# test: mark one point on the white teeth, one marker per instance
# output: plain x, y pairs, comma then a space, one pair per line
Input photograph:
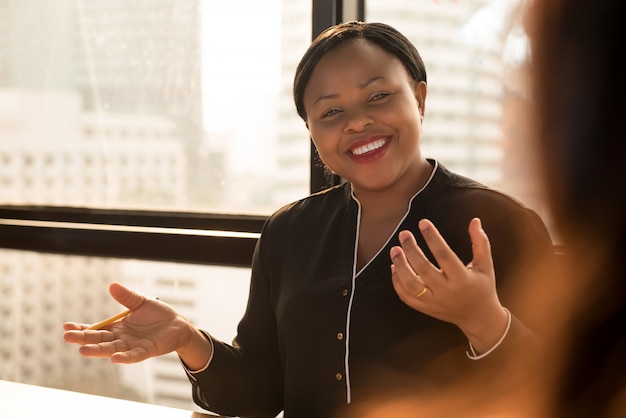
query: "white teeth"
369, 147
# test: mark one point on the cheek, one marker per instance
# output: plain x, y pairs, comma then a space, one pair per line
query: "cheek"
327, 147
322, 138
407, 121
326, 151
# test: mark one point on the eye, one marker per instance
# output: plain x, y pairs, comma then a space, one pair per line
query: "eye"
330, 113
378, 96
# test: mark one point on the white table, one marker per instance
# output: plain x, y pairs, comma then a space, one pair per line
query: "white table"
18, 400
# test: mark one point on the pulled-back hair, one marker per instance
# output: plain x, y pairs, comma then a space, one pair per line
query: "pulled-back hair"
380, 34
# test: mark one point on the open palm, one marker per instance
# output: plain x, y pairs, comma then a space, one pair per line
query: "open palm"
153, 328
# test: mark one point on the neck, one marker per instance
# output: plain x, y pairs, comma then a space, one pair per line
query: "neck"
396, 197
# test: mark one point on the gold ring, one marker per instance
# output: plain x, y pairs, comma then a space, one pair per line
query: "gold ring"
422, 293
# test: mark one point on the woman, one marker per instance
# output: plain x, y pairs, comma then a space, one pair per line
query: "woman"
355, 294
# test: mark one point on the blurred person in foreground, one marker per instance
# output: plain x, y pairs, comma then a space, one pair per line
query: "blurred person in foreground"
580, 90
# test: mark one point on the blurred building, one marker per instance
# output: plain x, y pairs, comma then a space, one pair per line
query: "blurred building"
99, 161
293, 151
53, 152
100, 106
137, 59
38, 293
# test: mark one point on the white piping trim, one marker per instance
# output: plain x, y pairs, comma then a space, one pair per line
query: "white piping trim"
432, 174
474, 356
349, 313
408, 209
355, 273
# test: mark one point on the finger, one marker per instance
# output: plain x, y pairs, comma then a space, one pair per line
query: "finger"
401, 268
407, 291
75, 337
481, 247
416, 258
132, 300
74, 326
398, 284
105, 349
448, 261
87, 337
134, 355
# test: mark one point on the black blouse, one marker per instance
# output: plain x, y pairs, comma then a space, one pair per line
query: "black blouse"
317, 335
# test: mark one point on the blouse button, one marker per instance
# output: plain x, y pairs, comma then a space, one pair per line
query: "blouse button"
339, 336
338, 376
345, 292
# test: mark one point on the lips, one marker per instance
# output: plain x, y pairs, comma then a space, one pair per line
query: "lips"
372, 146
369, 149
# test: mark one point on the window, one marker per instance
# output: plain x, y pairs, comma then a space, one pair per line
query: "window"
153, 104
41, 291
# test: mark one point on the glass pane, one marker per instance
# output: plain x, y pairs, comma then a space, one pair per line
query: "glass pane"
152, 104
475, 52
38, 293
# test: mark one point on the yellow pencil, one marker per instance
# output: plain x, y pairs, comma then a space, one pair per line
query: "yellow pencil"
110, 320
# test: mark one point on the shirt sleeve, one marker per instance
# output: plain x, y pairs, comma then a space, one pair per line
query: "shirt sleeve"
190, 372
245, 378
518, 341
472, 353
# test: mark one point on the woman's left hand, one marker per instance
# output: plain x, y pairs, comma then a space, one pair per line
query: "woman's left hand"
464, 295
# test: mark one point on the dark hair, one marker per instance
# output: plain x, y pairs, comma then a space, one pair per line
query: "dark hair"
380, 34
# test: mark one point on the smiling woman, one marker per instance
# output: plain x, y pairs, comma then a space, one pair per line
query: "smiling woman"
366, 121
352, 262
114, 147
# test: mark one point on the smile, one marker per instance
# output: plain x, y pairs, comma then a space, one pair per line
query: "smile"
372, 146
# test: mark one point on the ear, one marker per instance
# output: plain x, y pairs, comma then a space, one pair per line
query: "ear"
420, 91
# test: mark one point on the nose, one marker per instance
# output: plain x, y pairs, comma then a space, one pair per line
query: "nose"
357, 121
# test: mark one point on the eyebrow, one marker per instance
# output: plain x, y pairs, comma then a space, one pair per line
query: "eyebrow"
369, 81
361, 86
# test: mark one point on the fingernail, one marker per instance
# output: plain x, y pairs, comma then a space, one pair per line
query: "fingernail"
395, 251
403, 236
424, 225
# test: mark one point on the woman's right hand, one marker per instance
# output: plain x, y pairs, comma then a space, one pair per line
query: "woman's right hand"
153, 328
464, 295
